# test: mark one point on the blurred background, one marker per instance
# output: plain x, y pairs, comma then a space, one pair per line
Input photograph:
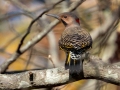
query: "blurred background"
99, 17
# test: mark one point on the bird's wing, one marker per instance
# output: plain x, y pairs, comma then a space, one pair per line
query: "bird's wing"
83, 40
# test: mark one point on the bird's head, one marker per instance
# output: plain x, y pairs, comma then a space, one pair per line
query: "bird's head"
67, 18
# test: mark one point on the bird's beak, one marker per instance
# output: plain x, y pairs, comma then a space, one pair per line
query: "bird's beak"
53, 15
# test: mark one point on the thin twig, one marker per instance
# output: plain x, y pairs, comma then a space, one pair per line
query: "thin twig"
50, 58
29, 58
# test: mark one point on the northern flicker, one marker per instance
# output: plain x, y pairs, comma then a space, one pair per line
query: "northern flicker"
74, 40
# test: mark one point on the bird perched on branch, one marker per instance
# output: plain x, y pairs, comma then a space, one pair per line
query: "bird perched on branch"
74, 40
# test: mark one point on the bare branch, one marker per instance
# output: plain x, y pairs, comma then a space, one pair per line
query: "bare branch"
29, 58
92, 69
50, 58
96, 69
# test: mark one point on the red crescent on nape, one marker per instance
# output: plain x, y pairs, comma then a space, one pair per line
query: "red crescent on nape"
77, 20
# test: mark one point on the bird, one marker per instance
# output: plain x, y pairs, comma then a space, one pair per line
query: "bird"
74, 41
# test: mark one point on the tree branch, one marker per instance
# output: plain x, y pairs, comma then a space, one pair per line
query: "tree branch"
96, 69
93, 68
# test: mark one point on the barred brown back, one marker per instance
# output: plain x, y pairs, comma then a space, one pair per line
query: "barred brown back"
75, 38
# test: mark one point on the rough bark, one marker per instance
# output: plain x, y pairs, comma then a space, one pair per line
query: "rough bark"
93, 68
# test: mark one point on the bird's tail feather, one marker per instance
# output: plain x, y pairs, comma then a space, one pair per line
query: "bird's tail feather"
74, 66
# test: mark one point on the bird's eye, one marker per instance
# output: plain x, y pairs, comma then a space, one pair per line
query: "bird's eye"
65, 16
